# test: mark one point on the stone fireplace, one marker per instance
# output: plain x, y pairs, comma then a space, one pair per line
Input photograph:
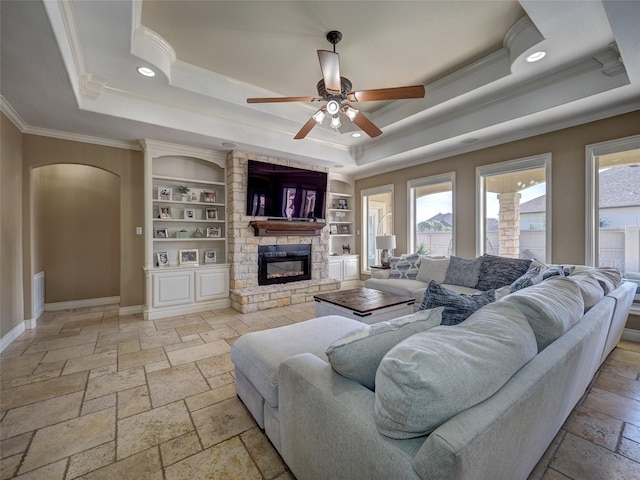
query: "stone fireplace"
245, 240
283, 264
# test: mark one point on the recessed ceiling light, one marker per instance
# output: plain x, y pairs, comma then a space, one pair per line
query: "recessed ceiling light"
337, 165
146, 71
356, 134
535, 56
229, 145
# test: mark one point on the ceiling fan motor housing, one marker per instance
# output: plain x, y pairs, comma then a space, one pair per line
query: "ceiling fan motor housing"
345, 86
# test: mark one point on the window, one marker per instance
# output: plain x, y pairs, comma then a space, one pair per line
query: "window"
514, 208
377, 219
431, 215
613, 206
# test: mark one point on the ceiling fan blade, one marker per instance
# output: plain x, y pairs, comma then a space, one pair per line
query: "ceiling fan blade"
330, 66
395, 93
366, 125
306, 128
283, 99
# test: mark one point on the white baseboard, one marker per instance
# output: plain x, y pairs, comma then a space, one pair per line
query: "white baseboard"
89, 302
631, 335
164, 312
18, 330
132, 310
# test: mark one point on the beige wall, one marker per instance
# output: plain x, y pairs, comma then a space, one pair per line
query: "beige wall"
11, 292
568, 185
78, 213
128, 165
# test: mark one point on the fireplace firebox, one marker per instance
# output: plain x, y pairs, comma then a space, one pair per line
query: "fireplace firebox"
283, 263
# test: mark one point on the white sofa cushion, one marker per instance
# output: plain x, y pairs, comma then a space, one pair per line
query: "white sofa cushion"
403, 287
358, 354
609, 278
590, 289
551, 307
433, 269
432, 376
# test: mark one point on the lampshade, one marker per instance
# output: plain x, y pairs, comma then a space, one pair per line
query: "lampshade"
386, 242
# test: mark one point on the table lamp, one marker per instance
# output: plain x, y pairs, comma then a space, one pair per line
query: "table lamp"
386, 243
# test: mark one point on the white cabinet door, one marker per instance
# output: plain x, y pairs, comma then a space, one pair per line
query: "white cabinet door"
172, 288
211, 284
350, 269
335, 268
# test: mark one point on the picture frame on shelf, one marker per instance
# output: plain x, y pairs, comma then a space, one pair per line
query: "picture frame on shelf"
165, 193
209, 196
342, 204
345, 229
188, 256
161, 233
189, 214
162, 259
211, 214
333, 229
164, 211
210, 256
214, 232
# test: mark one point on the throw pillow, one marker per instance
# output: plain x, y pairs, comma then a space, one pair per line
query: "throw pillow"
551, 308
554, 271
432, 269
405, 267
358, 354
463, 271
457, 306
434, 375
496, 272
533, 276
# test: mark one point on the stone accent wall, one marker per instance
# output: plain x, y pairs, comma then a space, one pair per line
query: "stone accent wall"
246, 295
509, 226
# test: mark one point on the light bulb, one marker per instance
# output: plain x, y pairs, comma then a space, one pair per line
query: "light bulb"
351, 112
333, 107
319, 116
335, 122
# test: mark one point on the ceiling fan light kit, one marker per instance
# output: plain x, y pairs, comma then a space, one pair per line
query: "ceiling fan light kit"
336, 91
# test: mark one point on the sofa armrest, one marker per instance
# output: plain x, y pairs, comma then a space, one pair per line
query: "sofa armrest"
328, 429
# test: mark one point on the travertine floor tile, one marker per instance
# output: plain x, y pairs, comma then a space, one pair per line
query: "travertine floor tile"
54, 471
630, 449
211, 397
97, 404
14, 445
206, 350
42, 345
68, 438
149, 429
222, 421
40, 414
595, 427
179, 448
12, 367
216, 365
137, 359
552, 474
614, 405
578, 458
133, 401
159, 339
228, 460
114, 382
90, 362
632, 432
171, 384
145, 465
91, 459
36, 392
200, 327
263, 454
619, 384
9, 466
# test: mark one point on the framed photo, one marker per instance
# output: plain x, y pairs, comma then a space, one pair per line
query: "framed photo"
162, 259
188, 257
161, 233
211, 214
342, 204
165, 212
209, 196
308, 205
333, 229
345, 229
189, 214
214, 232
210, 256
164, 193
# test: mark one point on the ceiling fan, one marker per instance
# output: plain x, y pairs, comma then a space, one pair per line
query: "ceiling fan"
336, 91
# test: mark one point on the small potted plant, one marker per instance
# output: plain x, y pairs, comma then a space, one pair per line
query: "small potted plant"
184, 190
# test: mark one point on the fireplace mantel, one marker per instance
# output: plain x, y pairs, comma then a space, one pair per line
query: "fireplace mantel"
274, 228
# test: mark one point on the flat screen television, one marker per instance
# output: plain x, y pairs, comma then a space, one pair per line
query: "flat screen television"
277, 191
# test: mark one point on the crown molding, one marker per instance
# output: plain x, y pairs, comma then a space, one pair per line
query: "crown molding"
11, 114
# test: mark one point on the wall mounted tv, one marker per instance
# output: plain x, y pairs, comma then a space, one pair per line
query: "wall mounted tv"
277, 191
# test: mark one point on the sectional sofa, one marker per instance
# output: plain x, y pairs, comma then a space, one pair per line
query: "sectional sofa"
413, 398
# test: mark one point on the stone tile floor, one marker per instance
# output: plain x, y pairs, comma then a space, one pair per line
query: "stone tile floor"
89, 394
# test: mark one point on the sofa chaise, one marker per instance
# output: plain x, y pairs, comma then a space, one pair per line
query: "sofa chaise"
414, 398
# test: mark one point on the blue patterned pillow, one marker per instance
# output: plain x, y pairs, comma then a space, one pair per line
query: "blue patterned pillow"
555, 271
457, 306
533, 276
496, 272
464, 272
405, 267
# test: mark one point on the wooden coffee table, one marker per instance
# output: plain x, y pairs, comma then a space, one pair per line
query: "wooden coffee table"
363, 304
